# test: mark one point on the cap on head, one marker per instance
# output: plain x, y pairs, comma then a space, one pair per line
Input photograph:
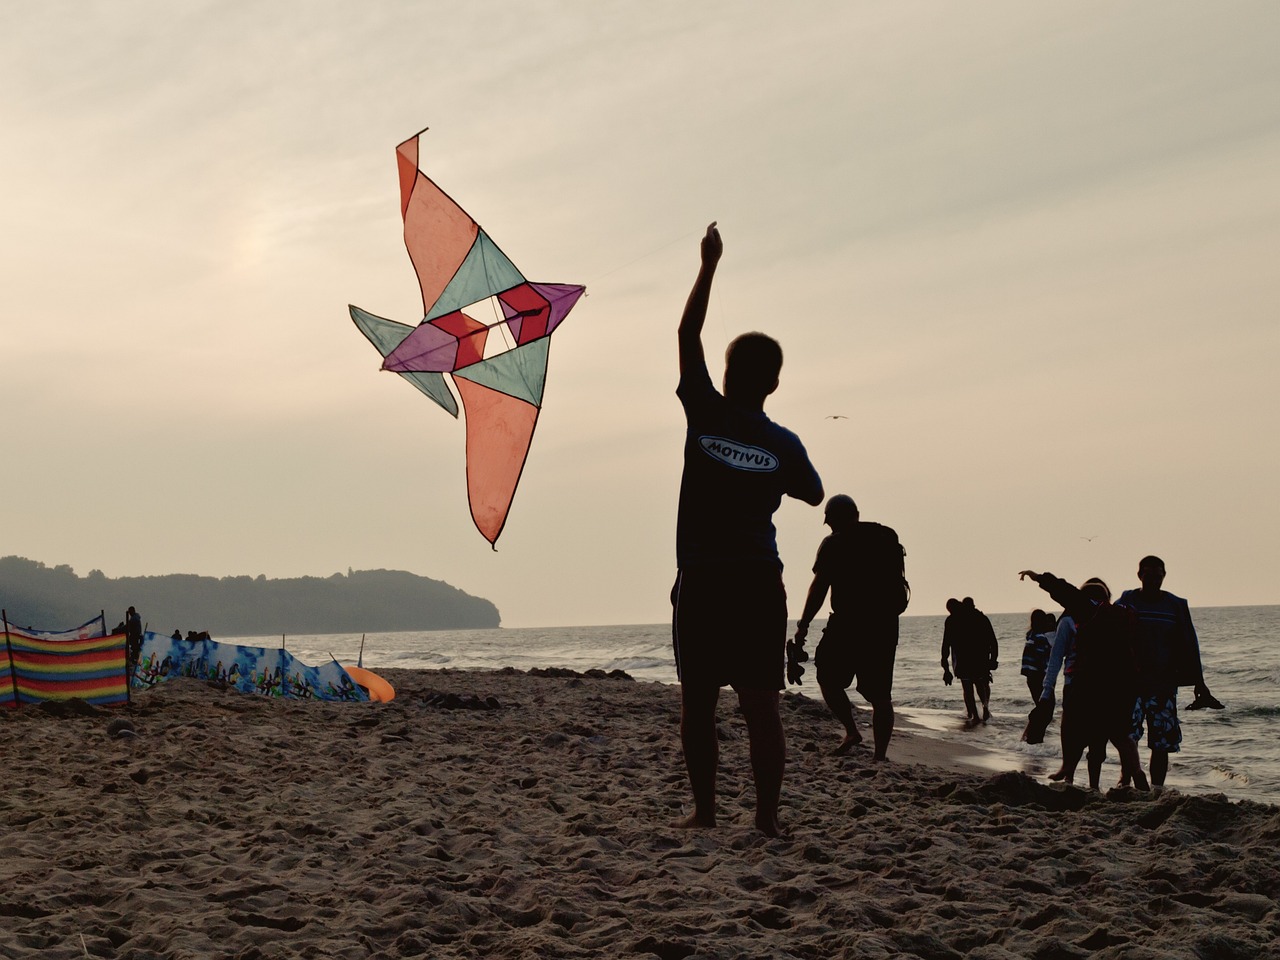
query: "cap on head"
841, 512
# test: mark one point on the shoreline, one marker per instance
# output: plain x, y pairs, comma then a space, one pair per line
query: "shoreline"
534, 817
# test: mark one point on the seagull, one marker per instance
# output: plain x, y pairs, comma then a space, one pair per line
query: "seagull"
835, 416
1090, 539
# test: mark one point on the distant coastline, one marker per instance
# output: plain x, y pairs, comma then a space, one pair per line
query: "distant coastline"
34, 594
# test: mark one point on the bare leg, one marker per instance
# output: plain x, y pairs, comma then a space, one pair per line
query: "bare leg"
768, 754
882, 726
984, 694
1159, 766
1063, 738
969, 705
843, 710
1072, 745
1097, 754
1130, 763
701, 750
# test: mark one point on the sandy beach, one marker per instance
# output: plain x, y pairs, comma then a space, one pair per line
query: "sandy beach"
510, 815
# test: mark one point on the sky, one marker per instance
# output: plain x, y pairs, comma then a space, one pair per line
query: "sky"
1026, 252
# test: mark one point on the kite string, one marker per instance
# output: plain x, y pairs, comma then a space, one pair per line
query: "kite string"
501, 323
644, 256
724, 327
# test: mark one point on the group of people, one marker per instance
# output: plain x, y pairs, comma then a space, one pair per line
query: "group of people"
132, 628
1122, 664
729, 618
191, 637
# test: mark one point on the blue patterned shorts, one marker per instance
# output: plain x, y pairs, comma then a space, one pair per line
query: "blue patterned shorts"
1160, 711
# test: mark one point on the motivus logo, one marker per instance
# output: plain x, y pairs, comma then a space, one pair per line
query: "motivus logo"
740, 456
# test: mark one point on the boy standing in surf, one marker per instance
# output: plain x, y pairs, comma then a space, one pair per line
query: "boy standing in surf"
1169, 653
729, 620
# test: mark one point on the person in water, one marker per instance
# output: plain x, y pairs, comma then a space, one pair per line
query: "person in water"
969, 646
1036, 650
1168, 652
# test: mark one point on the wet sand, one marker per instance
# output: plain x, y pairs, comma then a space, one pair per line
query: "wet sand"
539, 824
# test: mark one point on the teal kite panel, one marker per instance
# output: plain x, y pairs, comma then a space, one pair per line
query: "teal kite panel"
520, 373
484, 272
386, 335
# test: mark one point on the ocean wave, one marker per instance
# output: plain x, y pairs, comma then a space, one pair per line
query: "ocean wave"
639, 663
1259, 711
1236, 777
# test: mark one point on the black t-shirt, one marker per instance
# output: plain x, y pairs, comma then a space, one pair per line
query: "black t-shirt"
738, 464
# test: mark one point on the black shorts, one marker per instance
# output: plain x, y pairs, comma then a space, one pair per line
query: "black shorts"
729, 626
863, 647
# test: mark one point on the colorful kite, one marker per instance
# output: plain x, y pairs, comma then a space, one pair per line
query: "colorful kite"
485, 330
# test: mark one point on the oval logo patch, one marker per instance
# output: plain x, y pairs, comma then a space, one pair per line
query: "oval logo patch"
740, 456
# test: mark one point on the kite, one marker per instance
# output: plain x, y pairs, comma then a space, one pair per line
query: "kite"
485, 332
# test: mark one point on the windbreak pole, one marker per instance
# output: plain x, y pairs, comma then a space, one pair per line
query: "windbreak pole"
13, 674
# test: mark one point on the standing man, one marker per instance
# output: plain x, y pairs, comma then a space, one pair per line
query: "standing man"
730, 607
132, 640
862, 565
1168, 653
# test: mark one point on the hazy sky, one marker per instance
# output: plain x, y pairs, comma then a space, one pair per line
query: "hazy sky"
1028, 250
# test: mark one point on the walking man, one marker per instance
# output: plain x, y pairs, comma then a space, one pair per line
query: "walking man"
862, 565
969, 645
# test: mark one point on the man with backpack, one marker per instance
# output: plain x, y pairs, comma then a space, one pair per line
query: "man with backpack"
862, 564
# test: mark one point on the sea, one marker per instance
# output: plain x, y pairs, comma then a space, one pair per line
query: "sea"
1234, 751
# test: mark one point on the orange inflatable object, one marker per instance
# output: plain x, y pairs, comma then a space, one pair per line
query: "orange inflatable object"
377, 688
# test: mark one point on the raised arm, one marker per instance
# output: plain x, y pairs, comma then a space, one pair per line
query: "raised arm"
695, 308
1067, 595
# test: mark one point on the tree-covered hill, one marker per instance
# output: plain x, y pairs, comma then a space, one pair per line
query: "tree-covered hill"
52, 598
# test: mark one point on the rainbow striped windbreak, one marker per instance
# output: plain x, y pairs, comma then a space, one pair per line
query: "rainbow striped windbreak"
34, 668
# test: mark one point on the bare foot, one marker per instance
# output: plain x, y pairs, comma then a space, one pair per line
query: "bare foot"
848, 743
1059, 774
696, 821
769, 826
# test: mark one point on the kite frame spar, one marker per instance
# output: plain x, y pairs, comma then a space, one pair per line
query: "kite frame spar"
501, 380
